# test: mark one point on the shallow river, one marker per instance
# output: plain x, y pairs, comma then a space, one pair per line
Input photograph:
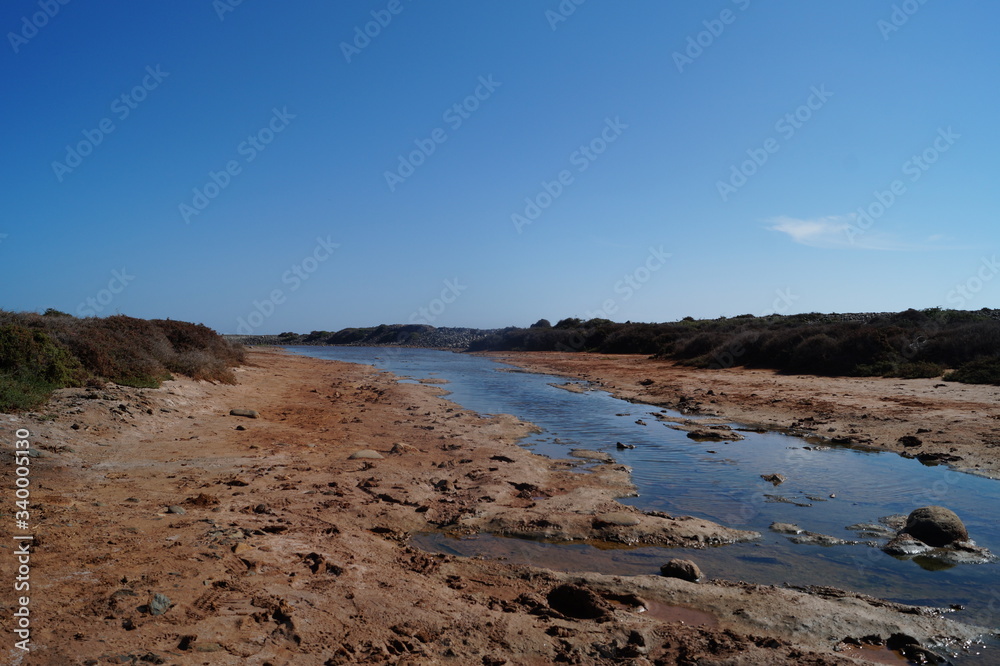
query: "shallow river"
827, 488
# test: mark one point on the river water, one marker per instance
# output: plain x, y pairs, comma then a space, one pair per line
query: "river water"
827, 489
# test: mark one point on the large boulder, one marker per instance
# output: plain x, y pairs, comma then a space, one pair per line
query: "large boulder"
683, 569
936, 526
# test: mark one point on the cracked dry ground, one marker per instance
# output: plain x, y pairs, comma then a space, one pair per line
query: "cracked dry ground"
275, 546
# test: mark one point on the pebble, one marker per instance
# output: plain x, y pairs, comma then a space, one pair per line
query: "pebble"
367, 454
159, 605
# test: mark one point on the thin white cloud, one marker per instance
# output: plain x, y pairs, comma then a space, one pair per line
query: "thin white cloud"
827, 232
843, 232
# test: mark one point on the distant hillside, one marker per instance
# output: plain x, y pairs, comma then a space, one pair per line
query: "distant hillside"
398, 335
924, 343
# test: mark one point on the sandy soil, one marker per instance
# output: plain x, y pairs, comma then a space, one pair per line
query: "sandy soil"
951, 423
274, 542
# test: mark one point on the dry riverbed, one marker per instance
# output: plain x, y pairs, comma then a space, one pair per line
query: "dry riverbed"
170, 531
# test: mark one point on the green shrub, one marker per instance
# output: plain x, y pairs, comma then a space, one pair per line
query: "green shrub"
980, 371
41, 353
32, 365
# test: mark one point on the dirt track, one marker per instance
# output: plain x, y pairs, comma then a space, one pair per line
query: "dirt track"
275, 546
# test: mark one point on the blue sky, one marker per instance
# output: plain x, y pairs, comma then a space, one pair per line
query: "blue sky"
270, 167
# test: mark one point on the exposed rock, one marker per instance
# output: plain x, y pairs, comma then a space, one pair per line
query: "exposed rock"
932, 459
904, 545
579, 602
249, 413
619, 518
774, 479
910, 441
702, 435
587, 454
816, 539
872, 530
786, 528
622, 447
173, 508
936, 526
399, 448
366, 454
159, 604
896, 521
683, 569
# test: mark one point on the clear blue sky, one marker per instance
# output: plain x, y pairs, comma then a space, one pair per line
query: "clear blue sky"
740, 138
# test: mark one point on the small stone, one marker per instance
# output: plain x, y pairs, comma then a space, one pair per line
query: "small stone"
249, 413
159, 604
774, 479
622, 447
683, 569
173, 508
399, 448
242, 549
207, 647
366, 454
241, 427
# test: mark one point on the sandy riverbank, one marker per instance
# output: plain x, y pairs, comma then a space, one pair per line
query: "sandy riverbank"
940, 422
273, 545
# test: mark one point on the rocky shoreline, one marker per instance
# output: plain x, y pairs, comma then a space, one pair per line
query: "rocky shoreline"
172, 530
932, 421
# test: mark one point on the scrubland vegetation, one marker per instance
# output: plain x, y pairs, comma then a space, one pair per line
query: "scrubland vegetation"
42, 353
909, 344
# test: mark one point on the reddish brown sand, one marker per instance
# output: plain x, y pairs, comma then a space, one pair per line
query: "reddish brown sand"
282, 549
948, 418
